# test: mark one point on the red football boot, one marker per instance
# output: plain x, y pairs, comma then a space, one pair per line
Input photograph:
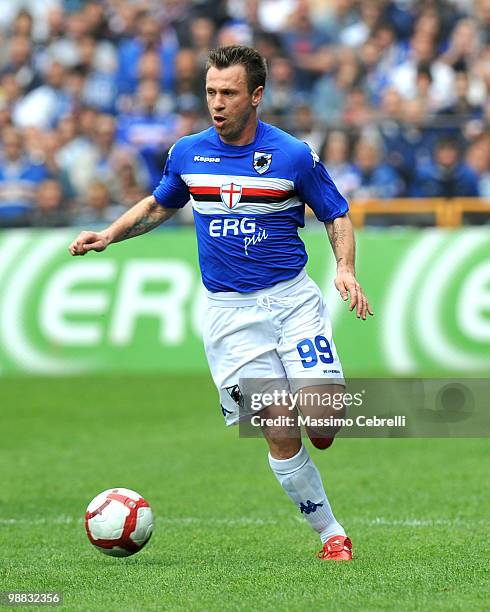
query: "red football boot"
336, 548
319, 440
320, 443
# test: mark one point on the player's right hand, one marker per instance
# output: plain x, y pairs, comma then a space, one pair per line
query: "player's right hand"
89, 241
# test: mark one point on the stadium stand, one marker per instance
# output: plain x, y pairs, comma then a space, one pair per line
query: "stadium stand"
393, 94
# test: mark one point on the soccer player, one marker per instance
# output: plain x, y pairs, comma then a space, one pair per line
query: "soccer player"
266, 319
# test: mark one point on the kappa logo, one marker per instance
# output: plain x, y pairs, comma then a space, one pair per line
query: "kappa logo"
262, 162
202, 158
230, 194
315, 157
309, 507
224, 411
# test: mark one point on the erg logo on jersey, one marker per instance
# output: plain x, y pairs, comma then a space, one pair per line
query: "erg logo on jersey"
202, 158
223, 227
252, 234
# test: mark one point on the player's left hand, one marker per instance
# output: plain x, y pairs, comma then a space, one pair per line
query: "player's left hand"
347, 285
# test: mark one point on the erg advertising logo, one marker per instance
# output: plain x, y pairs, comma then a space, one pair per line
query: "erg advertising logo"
139, 306
437, 307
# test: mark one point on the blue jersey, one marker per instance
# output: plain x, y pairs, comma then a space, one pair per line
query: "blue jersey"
248, 203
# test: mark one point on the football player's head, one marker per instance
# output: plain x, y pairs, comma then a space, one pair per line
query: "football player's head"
235, 81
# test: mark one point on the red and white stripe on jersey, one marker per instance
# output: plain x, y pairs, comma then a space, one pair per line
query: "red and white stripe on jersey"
222, 193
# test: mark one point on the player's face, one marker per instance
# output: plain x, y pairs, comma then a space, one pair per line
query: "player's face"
231, 106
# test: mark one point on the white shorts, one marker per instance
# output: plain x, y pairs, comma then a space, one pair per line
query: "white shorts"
282, 332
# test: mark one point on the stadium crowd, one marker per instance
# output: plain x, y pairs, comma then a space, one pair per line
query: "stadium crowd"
392, 94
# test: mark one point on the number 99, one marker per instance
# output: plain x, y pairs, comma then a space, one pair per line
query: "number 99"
310, 352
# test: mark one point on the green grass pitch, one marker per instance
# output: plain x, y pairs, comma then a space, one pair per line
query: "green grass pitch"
226, 537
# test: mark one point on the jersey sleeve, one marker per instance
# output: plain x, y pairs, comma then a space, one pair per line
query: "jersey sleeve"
315, 187
172, 192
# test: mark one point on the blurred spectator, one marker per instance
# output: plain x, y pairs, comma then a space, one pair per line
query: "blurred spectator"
483, 13
99, 209
273, 15
20, 64
464, 43
148, 130
95, 16
44, 106
47, 151
384, 35
336, 17
23, 24
101, 159
19, 179
203, 32
370, 15
188, 89
398, 13
376, 80
74, 145
49, 209
10, 92
5, 118
304, 126
38, 9
280, 94
423, 85
98, 65
331, 91
335, 155
269, 46
447, 176
55, 19
130, 187
149, 36
357, 111
375, 179
63, 46
407, 139
463, 107
422, 53
478, 159
307, 47
429, 25
234, 33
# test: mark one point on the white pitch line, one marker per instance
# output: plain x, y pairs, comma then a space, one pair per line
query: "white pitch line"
244, 521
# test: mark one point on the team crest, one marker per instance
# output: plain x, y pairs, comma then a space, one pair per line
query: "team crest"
262, 162
230, 194
236, 395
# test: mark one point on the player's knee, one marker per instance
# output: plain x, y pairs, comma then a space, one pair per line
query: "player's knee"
323, 423
284, 447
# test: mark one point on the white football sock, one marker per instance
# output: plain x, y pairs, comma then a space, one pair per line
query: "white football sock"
301, 480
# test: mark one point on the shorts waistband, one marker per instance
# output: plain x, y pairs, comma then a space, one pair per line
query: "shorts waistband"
229, 299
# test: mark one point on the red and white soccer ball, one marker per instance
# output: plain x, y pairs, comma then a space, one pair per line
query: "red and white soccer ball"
119, 522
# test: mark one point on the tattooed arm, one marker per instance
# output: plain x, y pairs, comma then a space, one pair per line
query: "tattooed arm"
141, 218
341, 236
